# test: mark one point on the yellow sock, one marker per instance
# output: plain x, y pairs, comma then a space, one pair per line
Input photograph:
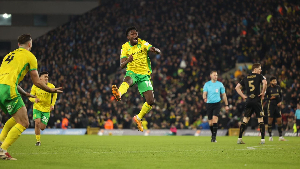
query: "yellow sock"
38, 138
145, 109
8, 125
123, 88
12, 136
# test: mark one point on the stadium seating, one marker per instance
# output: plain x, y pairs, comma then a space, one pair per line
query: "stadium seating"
194, 37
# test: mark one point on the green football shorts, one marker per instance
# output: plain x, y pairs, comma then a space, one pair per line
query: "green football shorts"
44, 116
7, 104
143, 81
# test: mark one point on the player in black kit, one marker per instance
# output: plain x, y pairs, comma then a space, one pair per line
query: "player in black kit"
254, 98
274, 99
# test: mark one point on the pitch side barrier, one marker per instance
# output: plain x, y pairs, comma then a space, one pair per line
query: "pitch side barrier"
56, 131
154, 132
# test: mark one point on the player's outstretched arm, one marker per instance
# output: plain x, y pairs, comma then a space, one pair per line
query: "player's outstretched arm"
154, 49
38, 83
22, 92
239, 91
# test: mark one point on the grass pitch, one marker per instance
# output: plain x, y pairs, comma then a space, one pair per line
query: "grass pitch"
80, 152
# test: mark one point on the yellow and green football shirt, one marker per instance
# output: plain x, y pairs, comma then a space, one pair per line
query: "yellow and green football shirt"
141, 62
14, 67
46, 99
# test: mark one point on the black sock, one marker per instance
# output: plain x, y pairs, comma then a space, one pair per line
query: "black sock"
262, 129
280, 130
215, 128
211, 129
297, 132
242, 129
270, 129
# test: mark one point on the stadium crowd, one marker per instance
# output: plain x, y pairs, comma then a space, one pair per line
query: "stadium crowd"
195, 37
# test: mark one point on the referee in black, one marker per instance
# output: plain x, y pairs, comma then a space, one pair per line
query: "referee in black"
211, 95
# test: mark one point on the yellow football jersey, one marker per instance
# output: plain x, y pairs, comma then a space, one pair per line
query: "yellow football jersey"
141, 62
14, 67
45, 98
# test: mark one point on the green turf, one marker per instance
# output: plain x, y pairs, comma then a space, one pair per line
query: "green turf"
62, 152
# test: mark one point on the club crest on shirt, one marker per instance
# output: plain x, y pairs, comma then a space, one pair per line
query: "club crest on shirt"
217, 90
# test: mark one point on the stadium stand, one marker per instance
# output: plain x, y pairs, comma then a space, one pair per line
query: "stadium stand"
194, 37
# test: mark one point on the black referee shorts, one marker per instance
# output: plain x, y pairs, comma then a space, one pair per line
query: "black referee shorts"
297, 122
253, 106
213, 109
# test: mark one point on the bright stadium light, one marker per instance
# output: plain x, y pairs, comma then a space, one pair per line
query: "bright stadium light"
5, 15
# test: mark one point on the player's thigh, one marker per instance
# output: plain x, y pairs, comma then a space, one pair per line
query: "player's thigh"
130, 78
9, 105
45, 118
145, 85
209, 110
216, 109
248, 109
21, 117
277, 113
297, 122
257, 107
37, 114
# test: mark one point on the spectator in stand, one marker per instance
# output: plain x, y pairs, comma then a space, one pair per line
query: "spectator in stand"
81, 55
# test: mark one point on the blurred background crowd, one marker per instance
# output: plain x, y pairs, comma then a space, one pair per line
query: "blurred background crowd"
195, 37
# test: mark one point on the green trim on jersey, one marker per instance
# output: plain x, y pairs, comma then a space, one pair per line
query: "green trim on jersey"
17, 82
129, 44
149, 62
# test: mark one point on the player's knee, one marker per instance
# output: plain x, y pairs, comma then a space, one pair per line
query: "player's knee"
42, 127
37, 124
128, 80
25, 124
215, 119
246, 119
151, 102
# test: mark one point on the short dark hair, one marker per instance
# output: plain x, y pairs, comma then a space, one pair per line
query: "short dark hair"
44, 73
24, 38
272, 78
213, 71
130, 29
256, 65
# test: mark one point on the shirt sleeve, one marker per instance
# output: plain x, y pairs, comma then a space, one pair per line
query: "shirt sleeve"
242, 82
222, 88
205, 89
54, 97
262, 78
32, 62
123, 52
32, 92
146, 45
